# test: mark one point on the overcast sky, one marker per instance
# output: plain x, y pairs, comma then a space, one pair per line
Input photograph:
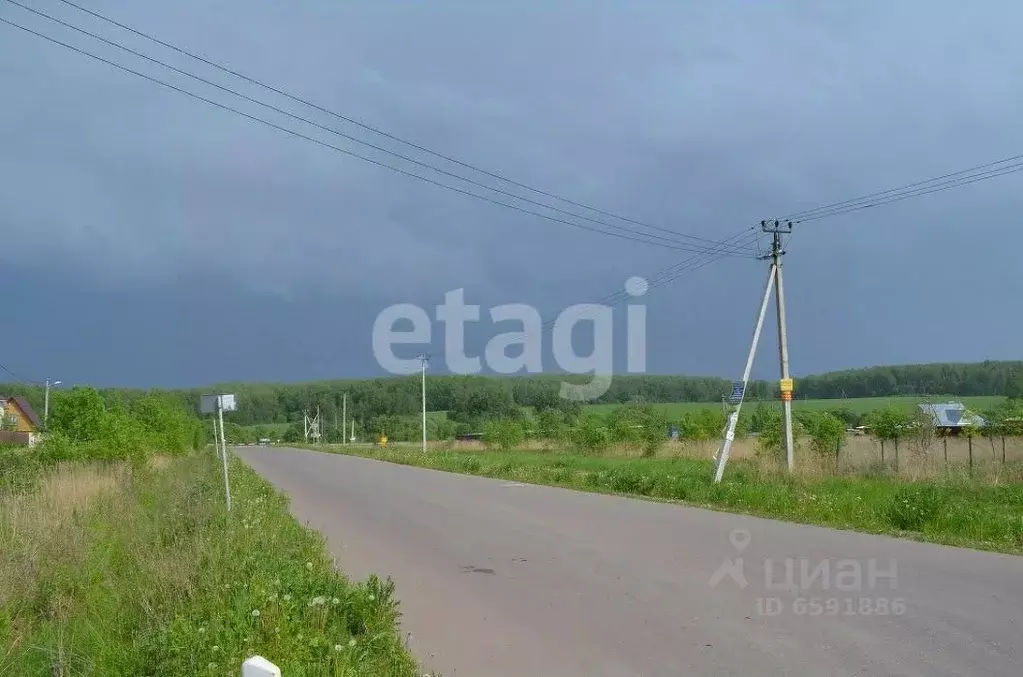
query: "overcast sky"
149, 239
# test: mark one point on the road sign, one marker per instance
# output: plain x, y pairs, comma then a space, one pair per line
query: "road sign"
208, 403
738, 390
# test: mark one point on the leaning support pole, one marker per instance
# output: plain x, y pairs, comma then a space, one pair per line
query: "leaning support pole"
733, 418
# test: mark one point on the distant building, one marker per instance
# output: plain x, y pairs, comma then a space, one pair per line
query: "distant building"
19, 423
950, 418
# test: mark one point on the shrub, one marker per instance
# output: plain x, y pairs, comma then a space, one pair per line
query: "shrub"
771, 441
505, 434
639, 423
590, 433
550, 425
827, 432
84, 426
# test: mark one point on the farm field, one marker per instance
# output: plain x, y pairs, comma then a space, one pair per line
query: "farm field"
860, 405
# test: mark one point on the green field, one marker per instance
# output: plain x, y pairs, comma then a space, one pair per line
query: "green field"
860, 405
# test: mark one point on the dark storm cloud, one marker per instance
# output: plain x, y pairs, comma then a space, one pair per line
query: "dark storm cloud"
132, 201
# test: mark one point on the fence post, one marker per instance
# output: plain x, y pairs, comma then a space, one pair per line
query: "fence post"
257, 666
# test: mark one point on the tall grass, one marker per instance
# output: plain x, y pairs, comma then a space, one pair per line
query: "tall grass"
119, 569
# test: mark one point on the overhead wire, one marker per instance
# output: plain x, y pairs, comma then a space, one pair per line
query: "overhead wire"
664, 276
634, 236
349, 137
915, 192
702, 256
371, 128
17, 377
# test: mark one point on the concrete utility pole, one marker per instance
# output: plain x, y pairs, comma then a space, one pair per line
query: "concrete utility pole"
424, 359
785, 384
344, 419
774, 282
46, 403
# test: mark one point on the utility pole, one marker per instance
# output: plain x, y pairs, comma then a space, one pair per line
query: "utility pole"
774, 282
424, 359
46, 404
344, 419
785, 384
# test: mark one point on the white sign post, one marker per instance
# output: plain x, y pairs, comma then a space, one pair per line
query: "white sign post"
209, 404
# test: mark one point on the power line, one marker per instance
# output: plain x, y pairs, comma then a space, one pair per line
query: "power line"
16, 377
370, 128
923, 190
952, 180
933, 185
669, 274
341, 134
344, 151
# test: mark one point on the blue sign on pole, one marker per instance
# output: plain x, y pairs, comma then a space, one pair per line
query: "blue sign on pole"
738, 389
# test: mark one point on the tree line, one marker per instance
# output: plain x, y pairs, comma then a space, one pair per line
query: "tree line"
376, 404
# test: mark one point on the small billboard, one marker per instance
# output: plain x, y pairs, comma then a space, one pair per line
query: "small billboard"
208, 403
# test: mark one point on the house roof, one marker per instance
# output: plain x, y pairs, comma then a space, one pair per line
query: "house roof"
951, 415
25, 407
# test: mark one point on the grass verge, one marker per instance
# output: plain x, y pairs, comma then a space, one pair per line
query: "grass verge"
111, 569
954, 510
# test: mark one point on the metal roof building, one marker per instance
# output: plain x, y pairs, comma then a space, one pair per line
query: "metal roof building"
952, 416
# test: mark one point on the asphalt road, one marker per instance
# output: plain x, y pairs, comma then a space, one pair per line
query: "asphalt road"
504, 580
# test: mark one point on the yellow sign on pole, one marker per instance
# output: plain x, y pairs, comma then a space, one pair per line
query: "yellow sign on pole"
785, 385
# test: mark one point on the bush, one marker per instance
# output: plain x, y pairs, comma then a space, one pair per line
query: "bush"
827, 432
590, 434
639, 423
703, 424
504, 434
84, 426
551, 425
913, 506
771, 441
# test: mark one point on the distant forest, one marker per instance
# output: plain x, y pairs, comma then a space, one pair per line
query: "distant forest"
400, 396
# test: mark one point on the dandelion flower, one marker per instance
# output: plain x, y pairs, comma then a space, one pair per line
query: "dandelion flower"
287, 598
351, 642
255, 613
372, 597
335, 601
338, 647
309, 565
202, 631
216, 648
211, 666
